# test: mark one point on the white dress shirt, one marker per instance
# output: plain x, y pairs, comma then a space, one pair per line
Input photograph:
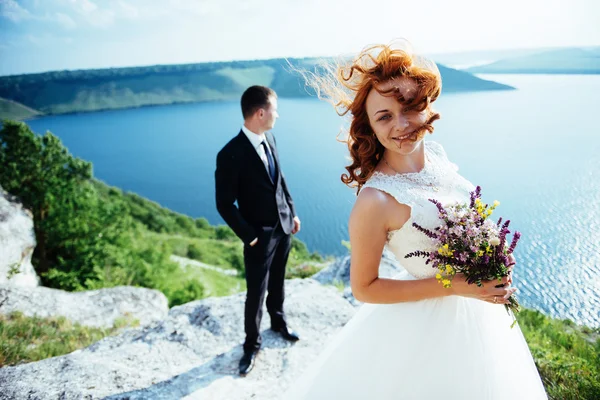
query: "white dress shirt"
256, 141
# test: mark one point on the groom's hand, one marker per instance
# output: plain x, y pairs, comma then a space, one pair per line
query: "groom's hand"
296, 226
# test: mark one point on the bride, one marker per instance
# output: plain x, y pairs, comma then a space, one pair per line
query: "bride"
416, 339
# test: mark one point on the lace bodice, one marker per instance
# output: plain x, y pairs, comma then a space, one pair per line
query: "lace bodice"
439, 179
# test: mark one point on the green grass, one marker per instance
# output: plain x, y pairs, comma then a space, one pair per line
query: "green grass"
303, 269
25, 339
216, 284
169, 233
12, 110
567, 356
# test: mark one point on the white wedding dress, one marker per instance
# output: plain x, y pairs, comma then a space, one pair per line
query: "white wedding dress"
443, 348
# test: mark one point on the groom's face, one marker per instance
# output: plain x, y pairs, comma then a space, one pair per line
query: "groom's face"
270, 114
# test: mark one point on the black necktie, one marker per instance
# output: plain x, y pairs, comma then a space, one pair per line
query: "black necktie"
270, 160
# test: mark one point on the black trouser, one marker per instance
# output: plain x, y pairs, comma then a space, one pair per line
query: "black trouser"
265, 270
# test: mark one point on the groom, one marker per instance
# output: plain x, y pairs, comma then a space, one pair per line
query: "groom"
248, 171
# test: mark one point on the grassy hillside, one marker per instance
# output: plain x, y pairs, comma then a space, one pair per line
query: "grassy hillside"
195, 239
103, 89
11, 109
566, 355
454, 80
560, 61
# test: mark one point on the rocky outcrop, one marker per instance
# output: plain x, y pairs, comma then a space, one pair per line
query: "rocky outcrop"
17, 241
99, 308
338, 273
193, 352
19, 289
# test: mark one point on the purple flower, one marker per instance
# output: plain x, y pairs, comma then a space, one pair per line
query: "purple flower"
513, 244
502, 235
429, 233
440, 208
475, 195
417, 253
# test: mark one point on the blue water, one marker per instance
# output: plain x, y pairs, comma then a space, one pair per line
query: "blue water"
536, 149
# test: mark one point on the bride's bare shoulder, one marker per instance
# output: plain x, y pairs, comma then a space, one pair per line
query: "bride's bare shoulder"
374, 205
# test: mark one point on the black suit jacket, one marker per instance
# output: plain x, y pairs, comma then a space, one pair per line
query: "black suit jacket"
241, 176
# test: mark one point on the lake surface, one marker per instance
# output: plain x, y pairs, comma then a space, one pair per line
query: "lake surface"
536, 149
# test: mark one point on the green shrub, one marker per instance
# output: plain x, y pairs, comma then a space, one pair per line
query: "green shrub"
191, 290
202, 223
223, 232
194, 252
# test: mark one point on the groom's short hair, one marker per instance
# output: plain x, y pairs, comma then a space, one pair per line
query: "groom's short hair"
254, 98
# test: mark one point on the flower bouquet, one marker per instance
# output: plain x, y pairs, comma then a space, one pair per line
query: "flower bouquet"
468, 242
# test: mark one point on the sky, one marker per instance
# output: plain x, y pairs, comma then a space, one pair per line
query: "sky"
46, 35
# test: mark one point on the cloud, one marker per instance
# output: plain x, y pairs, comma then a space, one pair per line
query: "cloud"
87, 12
197, 8
11, 10
128, 11
84, 7
46, 39
65, 21
101, 18
5, 44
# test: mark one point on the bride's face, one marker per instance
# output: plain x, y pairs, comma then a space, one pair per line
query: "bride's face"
391, 123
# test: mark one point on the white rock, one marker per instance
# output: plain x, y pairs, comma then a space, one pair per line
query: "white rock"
98, 308
338, 271
193, 353
17, 241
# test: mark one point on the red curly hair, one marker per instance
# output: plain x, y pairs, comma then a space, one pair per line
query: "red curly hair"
347, 88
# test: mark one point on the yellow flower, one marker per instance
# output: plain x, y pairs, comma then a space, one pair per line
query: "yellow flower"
449, 269
446, 283
438, 277
480, 253
445, 251
496, 203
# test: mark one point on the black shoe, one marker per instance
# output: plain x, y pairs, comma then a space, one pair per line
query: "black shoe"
287, 334
247, 361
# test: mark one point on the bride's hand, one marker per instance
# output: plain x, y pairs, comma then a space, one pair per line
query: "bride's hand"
487, 291
512, 261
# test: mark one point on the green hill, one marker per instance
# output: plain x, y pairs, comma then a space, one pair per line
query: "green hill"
12, 109
62, 92
559, 61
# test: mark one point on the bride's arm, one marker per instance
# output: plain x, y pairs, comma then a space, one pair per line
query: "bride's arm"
369, 223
